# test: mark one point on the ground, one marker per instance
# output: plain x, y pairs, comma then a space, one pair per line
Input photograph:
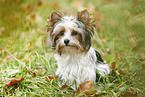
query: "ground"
25, 48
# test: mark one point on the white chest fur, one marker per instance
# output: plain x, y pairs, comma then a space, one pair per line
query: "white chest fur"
77, 67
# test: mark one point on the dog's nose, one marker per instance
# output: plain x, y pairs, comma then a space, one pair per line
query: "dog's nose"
66, 41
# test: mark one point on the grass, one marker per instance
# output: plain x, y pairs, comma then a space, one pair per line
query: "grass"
24, 52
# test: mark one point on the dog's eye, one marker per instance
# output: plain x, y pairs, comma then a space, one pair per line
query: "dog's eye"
74, 33
62, 33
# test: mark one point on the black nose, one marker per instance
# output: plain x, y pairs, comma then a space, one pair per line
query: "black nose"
66, 41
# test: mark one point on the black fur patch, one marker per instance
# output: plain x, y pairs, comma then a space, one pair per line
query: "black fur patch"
99, 58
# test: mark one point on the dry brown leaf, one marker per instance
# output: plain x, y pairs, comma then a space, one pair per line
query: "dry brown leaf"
121, 72
17, 79
84, 87
9, 84
13, 82
66, 86
52, 76
113, 65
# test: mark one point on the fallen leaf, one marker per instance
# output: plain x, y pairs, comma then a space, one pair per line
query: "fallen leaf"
17, 80
66, 86
113, 65
13, 81
84, 87
52, 76
9, 84
121, 72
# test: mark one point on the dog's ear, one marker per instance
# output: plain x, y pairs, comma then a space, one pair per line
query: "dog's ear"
83, 16
55, 16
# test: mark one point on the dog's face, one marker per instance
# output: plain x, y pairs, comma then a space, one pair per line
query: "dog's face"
70, 34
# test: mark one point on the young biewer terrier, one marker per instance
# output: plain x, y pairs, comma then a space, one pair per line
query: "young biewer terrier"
71, 37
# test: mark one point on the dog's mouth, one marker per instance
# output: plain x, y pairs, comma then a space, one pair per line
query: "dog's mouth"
69, 48
74, 47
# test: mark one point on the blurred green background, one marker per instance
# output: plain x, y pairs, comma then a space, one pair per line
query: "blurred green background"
119, 37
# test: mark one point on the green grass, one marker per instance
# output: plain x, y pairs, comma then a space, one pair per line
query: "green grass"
119, 38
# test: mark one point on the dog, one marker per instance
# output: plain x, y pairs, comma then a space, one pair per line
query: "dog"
77, 61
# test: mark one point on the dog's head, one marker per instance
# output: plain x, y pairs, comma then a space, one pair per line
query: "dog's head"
71, 33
